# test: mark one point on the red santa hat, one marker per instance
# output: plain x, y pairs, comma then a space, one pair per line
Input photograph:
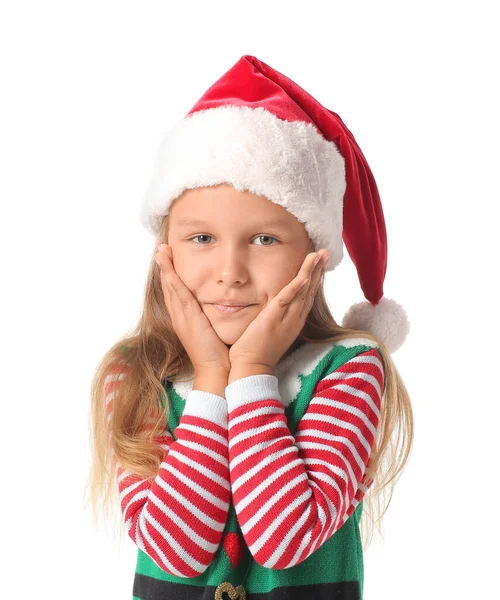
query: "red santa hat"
258, 130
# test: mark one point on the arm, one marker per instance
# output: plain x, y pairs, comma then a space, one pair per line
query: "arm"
178, 518
292, 494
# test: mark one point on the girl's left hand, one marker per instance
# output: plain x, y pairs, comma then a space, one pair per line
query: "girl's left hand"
276, 327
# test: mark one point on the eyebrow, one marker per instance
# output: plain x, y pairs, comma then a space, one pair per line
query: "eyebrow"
275, 222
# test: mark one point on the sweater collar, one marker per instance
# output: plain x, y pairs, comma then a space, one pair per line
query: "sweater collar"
290, 370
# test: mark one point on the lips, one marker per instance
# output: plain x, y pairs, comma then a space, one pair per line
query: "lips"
227, 302
229, 309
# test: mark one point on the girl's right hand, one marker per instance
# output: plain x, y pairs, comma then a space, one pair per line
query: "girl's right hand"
207, 351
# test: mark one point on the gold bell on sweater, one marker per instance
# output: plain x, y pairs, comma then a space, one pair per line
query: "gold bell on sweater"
234, 593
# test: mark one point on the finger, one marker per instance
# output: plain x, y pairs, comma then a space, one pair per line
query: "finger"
288, 294
162, 258
165, 289
179, 292
317, 273
313, 268
309, 292
309, 265
166, 292
297, 288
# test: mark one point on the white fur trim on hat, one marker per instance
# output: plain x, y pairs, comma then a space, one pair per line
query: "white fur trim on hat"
387, 321
288, 162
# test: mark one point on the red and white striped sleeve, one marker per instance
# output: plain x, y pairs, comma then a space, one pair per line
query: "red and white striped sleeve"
178, 517
292, 493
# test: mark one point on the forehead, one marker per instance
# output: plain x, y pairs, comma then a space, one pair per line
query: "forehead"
210, 205
188, 221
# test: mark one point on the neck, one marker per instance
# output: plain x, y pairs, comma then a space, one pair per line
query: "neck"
187, 371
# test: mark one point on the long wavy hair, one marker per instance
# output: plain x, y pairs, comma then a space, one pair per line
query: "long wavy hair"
152, 352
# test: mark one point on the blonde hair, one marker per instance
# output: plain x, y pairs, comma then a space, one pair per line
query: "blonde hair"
152, 352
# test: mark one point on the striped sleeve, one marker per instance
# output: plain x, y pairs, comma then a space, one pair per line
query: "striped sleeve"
178, 517
292, 493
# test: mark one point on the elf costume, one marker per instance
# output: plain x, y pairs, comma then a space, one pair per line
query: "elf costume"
260, 492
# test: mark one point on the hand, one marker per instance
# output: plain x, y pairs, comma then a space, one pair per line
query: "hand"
203, 346
277, 326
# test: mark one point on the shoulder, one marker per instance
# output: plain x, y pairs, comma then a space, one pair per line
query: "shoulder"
346, 349
354, 367
350, 351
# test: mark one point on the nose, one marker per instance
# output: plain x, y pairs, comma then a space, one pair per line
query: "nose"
231, 267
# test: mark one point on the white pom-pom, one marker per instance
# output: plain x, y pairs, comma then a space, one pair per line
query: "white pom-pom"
387, 321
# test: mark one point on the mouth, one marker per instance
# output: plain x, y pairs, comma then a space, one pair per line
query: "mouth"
230, 309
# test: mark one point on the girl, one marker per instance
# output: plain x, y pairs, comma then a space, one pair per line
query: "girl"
244, 441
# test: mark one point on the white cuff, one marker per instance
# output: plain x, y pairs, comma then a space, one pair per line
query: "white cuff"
206, 405
249, 389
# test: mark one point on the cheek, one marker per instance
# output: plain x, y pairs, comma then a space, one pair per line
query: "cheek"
274, 287
185, 269
189, 279
287, 271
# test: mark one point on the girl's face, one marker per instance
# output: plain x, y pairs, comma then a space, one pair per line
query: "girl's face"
233, 253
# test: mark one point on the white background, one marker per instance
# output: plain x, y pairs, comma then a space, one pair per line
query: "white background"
89, 89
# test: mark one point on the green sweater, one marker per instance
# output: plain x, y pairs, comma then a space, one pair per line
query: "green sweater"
260, 494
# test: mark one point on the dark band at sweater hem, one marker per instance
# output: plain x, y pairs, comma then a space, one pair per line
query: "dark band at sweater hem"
147, 588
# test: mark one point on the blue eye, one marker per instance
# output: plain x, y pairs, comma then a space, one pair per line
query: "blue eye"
259, 236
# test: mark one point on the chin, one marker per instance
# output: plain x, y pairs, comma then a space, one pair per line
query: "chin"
229, 333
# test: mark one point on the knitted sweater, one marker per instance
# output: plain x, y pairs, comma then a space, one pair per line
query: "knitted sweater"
259, 494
